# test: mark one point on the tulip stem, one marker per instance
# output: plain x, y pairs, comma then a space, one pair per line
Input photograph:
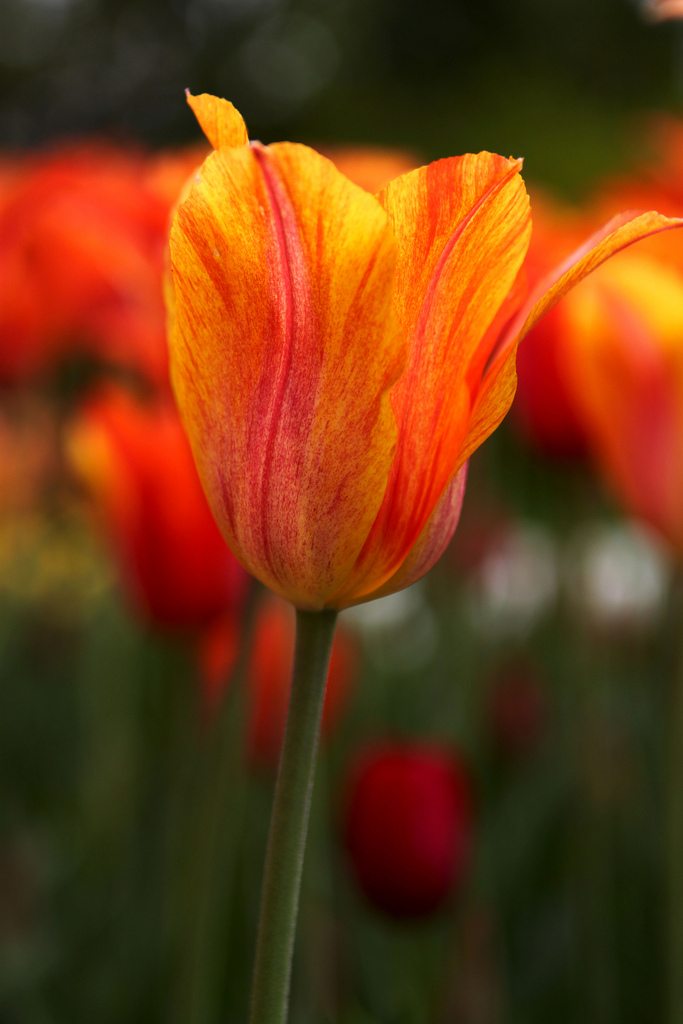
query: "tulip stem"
289, 820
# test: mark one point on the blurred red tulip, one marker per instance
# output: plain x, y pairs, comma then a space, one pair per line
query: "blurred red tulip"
270, 680
517, 710
137, 464
409, 826
82, 237
217, 650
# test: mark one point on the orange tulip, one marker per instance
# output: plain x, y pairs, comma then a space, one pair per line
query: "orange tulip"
622, 339
617, 344
270, 678
138, 467
338, 356
82, 236
544, 409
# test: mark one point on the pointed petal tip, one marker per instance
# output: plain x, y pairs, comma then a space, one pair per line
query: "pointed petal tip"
220, 121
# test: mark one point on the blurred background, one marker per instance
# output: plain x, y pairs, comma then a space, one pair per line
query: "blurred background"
557, 83
491, 834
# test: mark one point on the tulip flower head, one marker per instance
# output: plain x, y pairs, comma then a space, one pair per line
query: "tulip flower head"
338, 356
408, 826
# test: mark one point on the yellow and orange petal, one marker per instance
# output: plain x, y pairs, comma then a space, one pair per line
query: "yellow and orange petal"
284, 348
222, 124
462, 228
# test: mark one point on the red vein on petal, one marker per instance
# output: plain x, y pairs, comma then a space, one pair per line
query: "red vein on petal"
289, 273
375, 540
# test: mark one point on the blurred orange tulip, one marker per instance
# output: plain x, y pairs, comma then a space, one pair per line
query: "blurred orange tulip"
663, 10
617, 344
82, 236
337, 356
138, 468
623, 344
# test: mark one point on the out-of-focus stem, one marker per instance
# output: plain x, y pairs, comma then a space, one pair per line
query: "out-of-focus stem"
289, 821
223, 794
675, 821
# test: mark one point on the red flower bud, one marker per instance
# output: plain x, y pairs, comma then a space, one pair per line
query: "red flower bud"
408, 827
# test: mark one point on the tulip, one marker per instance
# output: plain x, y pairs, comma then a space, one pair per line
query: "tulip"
338, 356
137, 466
618, 339
409, 826
82, 236
269, 681
623, 344
614, 344
544, 410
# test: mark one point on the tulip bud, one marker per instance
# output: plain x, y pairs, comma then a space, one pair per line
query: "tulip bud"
408, 826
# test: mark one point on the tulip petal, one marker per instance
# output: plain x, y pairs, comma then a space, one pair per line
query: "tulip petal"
620, 232
283, 351
432, 542
222, 124
500, 381
462, 228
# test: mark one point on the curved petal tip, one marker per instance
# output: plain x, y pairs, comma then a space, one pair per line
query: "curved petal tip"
222, 124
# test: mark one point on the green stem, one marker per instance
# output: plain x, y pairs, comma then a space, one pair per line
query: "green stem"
675, 822
289, 821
